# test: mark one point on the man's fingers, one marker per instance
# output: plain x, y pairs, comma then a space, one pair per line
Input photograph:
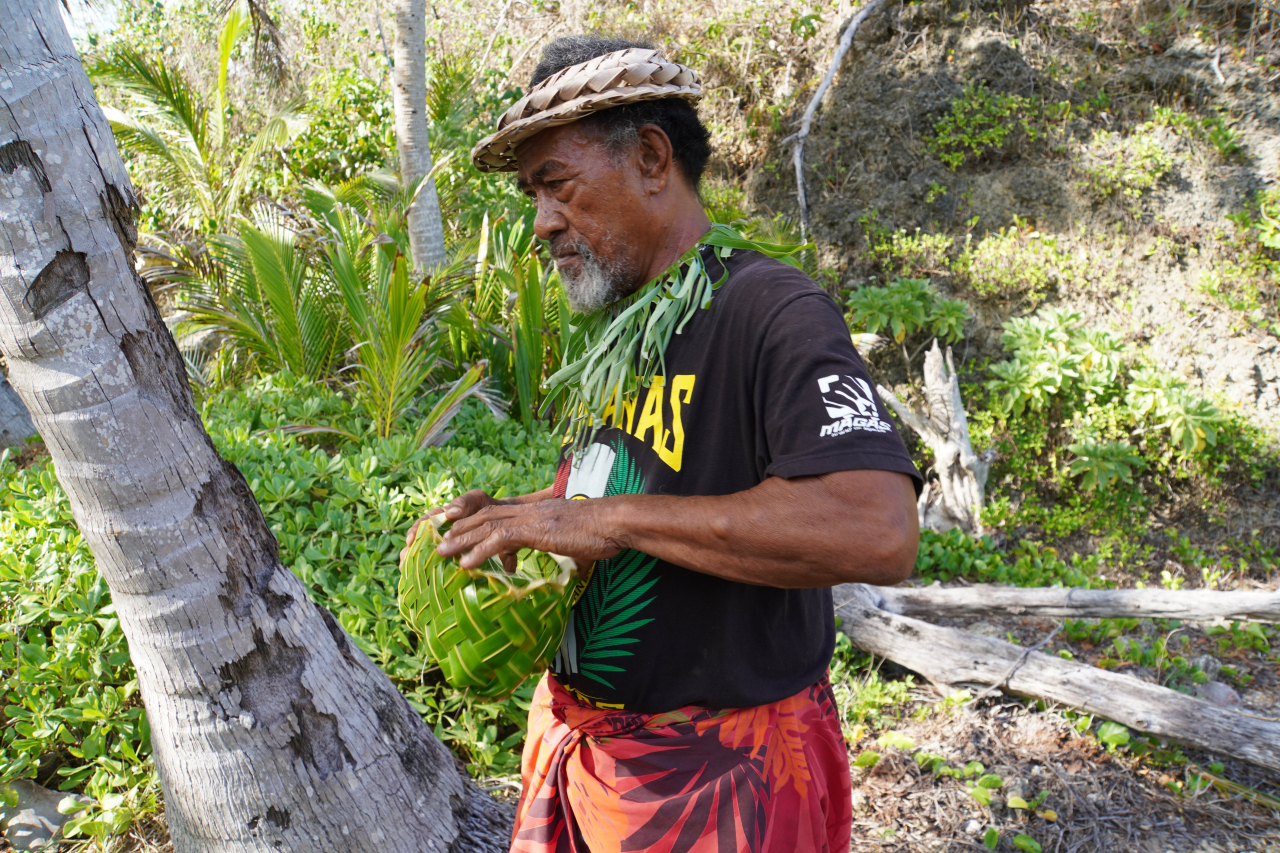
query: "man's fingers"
467, 505
490, 514
493, 545
465, 536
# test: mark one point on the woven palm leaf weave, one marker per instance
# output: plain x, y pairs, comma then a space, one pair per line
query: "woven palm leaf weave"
621, 77
488, 630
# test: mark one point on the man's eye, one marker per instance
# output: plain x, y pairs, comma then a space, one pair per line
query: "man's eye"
555, 185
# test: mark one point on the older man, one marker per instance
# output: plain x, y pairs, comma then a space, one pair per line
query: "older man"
751, 468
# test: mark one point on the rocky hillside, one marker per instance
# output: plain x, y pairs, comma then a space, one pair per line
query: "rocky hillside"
1099, 150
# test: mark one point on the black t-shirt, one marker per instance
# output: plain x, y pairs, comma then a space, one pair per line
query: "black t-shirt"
763, 383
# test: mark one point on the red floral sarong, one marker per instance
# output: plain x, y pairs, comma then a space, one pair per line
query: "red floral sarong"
768, 779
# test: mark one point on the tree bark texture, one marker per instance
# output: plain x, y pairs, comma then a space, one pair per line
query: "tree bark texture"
955, 497
409, 96
939, 602
15, 424
949, 656
270, 729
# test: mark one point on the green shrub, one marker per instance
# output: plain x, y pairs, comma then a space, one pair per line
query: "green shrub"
1015, 262
1213, 129
71, 712
1091, 435
1102, 462
1247, 279
956, 554
352, 130
1116, 165
1053, 355
724, 202
340, 519
982, 123
915, 255
906, 306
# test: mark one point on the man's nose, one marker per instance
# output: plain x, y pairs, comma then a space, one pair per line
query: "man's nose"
550, 221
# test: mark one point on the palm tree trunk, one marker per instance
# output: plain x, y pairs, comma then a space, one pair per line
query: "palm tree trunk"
409, 93
15, 423
270, 729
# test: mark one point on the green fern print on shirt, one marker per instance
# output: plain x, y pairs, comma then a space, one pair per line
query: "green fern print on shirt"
609, 610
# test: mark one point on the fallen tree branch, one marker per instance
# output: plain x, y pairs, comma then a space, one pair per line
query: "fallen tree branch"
1004, 679
806, 120
948, 655
983, 600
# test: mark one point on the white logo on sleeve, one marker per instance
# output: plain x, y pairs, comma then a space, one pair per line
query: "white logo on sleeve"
851, 401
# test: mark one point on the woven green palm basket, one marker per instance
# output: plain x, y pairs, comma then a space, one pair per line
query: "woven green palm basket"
487, 630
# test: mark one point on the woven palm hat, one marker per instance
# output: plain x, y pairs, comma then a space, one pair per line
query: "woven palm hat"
621, 77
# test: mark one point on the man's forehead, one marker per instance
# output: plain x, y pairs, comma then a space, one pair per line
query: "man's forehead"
555, 148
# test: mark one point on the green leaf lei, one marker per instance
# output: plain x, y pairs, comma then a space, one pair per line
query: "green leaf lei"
610, 354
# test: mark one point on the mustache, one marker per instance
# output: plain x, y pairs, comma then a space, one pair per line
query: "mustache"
562, 246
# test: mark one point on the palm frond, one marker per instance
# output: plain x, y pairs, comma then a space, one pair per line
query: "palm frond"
450, 90
180, 171
431, 431
161, 90
234, 27
268, 301
280, 127
271, 252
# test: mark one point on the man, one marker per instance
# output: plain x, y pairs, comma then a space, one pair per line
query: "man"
688, 707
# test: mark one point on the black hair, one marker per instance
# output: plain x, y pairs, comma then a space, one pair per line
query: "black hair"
678, 119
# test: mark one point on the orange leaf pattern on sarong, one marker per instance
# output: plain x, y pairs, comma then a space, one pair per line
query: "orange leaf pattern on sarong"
694, 780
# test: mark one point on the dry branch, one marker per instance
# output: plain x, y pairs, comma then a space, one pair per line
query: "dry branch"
806, 121
955, 497
983, 600
950, 656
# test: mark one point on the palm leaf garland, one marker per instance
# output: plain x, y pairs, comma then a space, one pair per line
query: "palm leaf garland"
602, 350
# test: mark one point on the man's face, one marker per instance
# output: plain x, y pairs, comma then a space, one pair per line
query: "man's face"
591, 210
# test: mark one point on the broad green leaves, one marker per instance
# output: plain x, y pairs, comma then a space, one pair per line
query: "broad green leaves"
67, 684
1113, 734
906, 306
1056, 361
340, 519
1100, 463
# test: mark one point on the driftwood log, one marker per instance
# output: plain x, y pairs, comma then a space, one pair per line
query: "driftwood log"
947, 656
954, 496
984, 600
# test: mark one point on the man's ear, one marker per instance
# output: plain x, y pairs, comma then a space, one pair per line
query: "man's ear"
655, 158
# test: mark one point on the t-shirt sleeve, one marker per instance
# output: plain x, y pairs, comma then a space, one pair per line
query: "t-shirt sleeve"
820, 408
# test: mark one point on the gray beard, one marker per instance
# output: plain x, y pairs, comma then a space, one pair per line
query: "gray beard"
598, 284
